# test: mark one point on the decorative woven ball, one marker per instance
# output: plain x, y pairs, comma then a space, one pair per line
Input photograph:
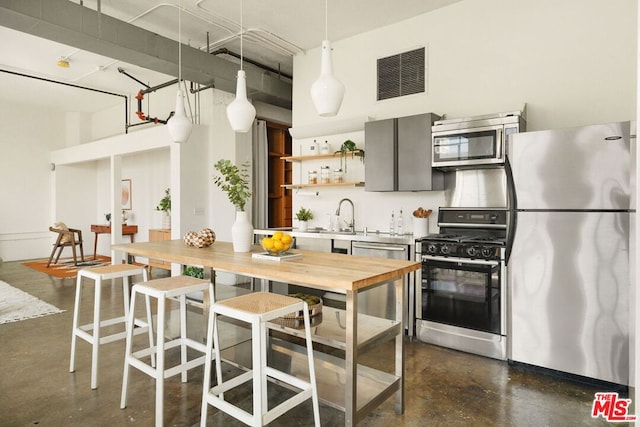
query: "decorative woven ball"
204, 238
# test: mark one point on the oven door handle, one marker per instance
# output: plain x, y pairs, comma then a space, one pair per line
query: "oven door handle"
460, 260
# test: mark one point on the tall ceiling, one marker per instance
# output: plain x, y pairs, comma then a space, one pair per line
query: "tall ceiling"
273, 32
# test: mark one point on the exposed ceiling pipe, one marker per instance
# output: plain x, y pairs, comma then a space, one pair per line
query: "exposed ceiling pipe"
122, 71
277, 42
192, 89
126, 98
225, 51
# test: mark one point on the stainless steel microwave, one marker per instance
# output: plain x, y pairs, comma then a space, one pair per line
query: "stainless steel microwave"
473, 142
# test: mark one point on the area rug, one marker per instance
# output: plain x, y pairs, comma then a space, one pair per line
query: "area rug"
65, 268
16, 305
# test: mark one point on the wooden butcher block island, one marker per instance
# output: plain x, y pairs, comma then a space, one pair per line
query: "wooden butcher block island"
343, 383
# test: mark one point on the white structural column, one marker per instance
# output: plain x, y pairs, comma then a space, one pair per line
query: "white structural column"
116, 206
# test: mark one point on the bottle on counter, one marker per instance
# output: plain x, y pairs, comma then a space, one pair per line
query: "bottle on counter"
400, 224
392, 224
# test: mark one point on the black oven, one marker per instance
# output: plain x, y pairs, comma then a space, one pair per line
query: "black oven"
461, 292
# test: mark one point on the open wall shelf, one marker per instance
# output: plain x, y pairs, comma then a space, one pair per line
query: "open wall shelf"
343, 184
318, 156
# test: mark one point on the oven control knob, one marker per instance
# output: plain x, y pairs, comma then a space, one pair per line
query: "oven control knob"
487, 252
444, 249
472, 251
432, 249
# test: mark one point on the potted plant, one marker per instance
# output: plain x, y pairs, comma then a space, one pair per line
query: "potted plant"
234, 181
107, 216
193, 271
349, 147
165, 207
303, 216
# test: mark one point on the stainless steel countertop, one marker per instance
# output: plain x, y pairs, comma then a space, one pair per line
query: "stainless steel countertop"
360, 236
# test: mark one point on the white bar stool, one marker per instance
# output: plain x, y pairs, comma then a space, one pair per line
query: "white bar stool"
257, 309
91, 331
172, 288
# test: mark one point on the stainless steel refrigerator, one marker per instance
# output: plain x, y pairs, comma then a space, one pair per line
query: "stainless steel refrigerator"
568, 247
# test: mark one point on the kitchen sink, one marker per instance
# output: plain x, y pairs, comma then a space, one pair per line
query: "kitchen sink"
337, 232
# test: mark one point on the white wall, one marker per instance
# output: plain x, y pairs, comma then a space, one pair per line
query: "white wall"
25, 179
571, 62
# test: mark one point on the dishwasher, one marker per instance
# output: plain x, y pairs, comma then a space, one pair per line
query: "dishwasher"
380, 301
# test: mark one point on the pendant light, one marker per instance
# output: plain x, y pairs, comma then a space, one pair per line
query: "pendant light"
241, 112
179, 125
327, 92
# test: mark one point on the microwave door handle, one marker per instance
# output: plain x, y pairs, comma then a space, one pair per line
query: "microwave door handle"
500, 143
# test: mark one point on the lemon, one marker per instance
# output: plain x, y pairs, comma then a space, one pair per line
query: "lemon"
267, 243
286, 239
277, 245
277, 235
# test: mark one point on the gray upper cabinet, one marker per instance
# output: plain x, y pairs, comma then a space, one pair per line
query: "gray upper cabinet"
399, 155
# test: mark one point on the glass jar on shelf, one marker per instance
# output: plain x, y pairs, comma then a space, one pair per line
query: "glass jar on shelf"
325, 175
313, 177
338, 176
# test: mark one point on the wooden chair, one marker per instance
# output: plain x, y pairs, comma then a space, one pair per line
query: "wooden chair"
66, 237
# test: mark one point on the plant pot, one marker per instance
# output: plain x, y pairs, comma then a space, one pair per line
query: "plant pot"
242, 233
303, 225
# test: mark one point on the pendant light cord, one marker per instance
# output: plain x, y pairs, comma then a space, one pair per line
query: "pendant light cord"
241, 31
179, 43
326, 19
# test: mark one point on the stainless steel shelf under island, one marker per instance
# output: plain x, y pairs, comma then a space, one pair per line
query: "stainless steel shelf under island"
363, 387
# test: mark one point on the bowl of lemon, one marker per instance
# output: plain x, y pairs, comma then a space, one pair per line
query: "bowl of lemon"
278, 244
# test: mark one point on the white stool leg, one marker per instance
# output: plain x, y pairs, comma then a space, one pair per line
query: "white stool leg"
127, 350
125, 295
160, 363
258, 372
206, 381
264, 334
183, 335
150, 325
76, 311
96, 333
312, 372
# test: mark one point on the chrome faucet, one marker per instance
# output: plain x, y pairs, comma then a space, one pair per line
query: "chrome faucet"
352, 224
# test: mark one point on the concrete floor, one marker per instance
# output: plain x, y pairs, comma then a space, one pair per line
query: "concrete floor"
443, 387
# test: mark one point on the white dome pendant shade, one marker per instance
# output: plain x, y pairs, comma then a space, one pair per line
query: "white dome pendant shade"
241, 112
179, 125
327, 92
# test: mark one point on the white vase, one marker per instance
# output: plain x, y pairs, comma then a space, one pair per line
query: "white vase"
242, 233
166, 221
303, 225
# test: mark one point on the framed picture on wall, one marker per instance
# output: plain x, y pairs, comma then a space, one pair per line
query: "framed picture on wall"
126, 194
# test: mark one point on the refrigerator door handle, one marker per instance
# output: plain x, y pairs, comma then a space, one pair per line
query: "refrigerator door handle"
512, 203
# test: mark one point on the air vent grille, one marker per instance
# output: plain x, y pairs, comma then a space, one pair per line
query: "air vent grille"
401, 74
